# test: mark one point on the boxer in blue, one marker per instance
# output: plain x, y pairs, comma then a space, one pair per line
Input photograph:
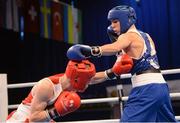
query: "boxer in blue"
149, 100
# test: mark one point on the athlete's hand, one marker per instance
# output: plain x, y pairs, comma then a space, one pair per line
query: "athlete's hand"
80, 52
123, 64
67, 102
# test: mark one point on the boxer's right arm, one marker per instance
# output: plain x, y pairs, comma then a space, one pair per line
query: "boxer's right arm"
123, 64
42, 93
81, 52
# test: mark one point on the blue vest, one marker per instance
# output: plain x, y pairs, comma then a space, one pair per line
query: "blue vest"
148, 60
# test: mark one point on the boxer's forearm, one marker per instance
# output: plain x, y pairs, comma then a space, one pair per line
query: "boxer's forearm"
39, 116
110, 49
98, 78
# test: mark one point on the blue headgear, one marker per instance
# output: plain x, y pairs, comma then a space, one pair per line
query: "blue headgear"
125, 14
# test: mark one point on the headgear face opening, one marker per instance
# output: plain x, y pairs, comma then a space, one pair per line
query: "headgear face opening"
126, 16
80, 73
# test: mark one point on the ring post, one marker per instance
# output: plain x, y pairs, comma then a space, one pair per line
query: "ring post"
121, 94
3, 97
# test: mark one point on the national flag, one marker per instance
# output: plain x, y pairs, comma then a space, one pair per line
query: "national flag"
57, 21
72, 25
9, 16
31, 16
45, 18
16, 7
75, 25
68, 24
65, 20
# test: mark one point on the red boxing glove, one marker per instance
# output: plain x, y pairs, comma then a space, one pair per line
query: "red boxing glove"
67, 102
123, 64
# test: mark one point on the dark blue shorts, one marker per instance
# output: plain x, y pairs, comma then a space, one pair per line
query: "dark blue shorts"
149, 103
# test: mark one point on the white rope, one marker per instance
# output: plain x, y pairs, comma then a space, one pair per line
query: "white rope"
177, 117
103, 100
96, 121
164, 72
21, 85
174, 95
170, 71
123, 76
104, 121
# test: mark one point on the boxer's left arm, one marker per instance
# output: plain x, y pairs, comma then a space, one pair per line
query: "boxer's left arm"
123, 64
98, 78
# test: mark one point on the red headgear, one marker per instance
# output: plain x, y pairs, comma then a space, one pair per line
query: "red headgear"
80, 73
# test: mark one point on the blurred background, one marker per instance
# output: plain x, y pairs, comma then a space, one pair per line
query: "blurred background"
35, 35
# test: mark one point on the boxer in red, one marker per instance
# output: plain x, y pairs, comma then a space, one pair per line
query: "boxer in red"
58, 92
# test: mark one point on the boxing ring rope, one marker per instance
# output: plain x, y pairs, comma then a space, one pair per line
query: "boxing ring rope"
4, 92
102, 100
124, 76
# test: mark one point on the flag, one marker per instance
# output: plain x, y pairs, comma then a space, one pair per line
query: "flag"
9, 16
57, 21
75, 25
68, 24
31, 16
45, 18
72, 25
16, 7
65, 20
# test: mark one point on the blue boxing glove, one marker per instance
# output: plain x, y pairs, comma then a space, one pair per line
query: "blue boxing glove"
112, 35
80, 52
